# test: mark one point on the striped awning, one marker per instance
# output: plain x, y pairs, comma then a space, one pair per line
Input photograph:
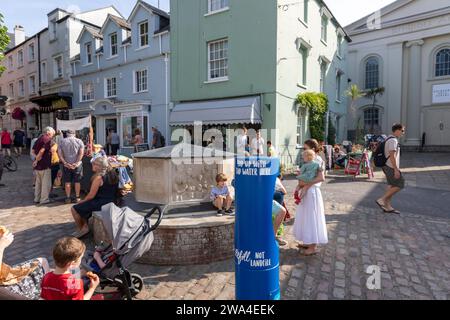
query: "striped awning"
230, 111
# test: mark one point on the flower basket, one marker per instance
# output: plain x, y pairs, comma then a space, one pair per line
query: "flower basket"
18, 114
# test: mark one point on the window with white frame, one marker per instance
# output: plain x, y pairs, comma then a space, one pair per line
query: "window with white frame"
301, 121
44, 72
372, 68
143, 34
218, 60
88, 51
10, 62
324, 28
113, 43
371, 120
442, 66
110, 87
216, 5
32, 84
20, 58
21, 88
304, 65
58, 67
87, 91
31, 55
52, 30
141, 81
339, 45
11, 90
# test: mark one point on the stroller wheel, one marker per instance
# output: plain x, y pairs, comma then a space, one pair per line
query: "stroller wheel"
137, 284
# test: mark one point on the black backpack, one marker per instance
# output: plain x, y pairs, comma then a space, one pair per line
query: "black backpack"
379, 157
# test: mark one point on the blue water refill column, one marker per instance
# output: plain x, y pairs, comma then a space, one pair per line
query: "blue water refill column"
256, 251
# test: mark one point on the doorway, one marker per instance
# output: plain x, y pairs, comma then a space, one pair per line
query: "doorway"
437, 127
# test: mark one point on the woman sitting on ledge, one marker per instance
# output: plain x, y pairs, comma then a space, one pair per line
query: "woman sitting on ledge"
23, 280
104, 187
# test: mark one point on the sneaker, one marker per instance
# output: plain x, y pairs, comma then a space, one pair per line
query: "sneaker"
67, 201
76, 200
45, 202
229, 212
219, 213
281, 241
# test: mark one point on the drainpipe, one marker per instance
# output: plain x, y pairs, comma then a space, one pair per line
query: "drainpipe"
39, 76
166, 61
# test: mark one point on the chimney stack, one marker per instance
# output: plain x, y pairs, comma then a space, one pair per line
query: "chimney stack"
19, 35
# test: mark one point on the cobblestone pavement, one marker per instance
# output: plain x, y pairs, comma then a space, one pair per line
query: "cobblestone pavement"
412, 250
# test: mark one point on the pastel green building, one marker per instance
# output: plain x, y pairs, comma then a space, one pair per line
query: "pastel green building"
237, 63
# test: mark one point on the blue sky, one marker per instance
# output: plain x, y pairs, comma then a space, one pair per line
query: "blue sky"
32, 14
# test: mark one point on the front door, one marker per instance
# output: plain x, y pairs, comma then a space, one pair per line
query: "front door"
437, 127
110, 123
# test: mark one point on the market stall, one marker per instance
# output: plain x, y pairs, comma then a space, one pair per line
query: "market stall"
84, 131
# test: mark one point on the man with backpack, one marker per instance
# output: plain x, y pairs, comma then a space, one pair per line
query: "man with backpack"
158, 139
387, 157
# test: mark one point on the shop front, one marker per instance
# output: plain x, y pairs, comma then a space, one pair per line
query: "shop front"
219, 115
52, 107
133, 121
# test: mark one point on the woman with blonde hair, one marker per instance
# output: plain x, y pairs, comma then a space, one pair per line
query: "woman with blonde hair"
104, 186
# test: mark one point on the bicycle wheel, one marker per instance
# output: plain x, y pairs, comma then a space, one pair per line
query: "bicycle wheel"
10, 164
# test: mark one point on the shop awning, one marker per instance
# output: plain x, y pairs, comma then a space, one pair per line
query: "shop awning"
53, 102
230, 111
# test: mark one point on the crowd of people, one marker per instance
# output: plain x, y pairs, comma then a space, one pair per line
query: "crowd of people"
34, 279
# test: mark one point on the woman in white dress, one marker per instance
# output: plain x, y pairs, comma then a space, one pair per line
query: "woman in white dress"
310, 226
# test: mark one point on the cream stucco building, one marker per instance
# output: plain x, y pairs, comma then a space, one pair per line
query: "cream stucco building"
405, 48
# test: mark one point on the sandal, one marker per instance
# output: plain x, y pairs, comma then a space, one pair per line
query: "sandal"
382, 207
310, 254
393, 211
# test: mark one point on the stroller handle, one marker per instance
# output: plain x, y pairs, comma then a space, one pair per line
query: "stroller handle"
160, 217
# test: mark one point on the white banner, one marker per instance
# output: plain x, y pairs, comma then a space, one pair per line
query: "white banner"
78, 124
441, 93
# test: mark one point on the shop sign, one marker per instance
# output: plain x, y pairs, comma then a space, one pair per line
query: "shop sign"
441, 93
60, 104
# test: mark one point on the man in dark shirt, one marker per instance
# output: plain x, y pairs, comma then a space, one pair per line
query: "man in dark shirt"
156, 142
42, 165
19, 135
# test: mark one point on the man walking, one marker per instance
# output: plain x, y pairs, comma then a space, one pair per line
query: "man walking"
394, 177
157, 141
19, 136
71, 152
41, 165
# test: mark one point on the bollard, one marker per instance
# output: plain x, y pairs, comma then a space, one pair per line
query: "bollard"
256, 251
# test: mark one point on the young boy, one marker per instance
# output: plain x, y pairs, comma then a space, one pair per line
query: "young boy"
220, 196
308, 172
62, 284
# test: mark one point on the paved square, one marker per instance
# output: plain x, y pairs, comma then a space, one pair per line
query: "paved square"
412, 250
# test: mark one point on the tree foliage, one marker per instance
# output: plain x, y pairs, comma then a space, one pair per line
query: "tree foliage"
4, 41
317, 106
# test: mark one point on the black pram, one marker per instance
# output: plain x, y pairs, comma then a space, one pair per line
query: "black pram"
130, 236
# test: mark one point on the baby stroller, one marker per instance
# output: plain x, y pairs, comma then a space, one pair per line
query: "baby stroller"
131, 235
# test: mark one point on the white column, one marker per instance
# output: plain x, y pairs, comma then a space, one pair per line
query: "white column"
414, 93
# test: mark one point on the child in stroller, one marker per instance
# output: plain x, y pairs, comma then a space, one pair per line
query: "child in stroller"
130, 236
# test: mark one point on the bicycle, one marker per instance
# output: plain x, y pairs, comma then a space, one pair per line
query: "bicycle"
9, 163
